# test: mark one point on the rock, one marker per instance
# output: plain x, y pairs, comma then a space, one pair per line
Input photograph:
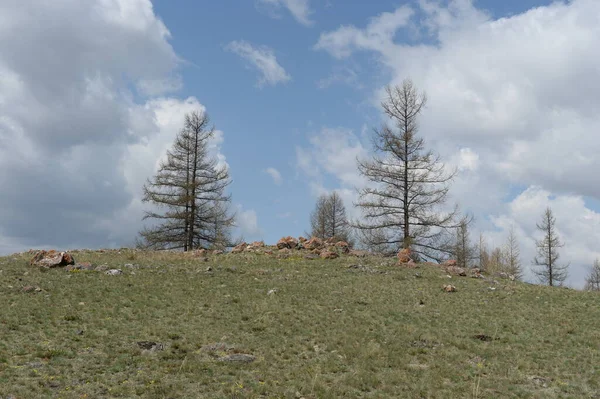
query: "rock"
404, 255
209, 269
328, 255
301, 240
311, 256
101, 268
255, 245
272, 292
151, 346
114, 272
239, 248
30, 288
343, 246
449, 288
284, 253
476, 273
287, 242
449, 262
218, 252
84, 266
201, 253
313, 243
238, 358
455, 270
49, 259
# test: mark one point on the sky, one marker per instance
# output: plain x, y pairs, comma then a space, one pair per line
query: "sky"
93, 93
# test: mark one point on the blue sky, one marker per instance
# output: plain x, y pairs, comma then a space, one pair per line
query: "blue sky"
93, 93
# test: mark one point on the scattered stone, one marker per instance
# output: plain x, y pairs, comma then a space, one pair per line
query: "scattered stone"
287, 242
209, 269
30, 288
218, 252
101, 268
313, 243
238, 358
151, 346
311, 256
404, 255
449, 262
483, 337
449, 288
79, 332
343, 246
329, 255
201, 253
239, 248
418, 275
114, 272
455, 270
272, 292
256, 245
540, 381
217, 347
50, 259
301, 240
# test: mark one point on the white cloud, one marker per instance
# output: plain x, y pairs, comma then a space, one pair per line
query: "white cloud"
378, 34
247, 223
512, 101
275, 175
76, 144
300, 9
263, 59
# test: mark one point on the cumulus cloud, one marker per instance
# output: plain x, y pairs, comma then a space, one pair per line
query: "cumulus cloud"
300, 9
263, 59
76, 144
247, 223
275, 175
511, 100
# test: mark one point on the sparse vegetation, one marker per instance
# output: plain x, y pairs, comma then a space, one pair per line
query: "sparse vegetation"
256, 326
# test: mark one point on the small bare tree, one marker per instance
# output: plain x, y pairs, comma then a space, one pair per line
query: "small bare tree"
189, 186
484, 254
547, 269
592, 281
329, 220
513, 255
460, 246
409, 185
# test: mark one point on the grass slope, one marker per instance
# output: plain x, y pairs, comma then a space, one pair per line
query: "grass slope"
329, 331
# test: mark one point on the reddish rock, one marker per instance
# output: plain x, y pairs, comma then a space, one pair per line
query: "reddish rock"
200, 252
48, 259
217, 252
328, 255
449, 288
343, 246
256, 245
301, 240
239, 248
287, 242
313, 243
449, 262
404, 255
458, 271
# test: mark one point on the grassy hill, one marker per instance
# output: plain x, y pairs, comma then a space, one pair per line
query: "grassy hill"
349, 327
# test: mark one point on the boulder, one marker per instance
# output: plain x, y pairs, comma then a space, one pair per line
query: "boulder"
217, 252
449, 288
255, 245
239, 248
114, 272
49, 259
201, 253
301, 240
343, 246
457, 271
329, 255
404, 255
287, 242
449, 262
313, 243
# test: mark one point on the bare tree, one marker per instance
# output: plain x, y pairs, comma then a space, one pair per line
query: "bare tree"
513, 255
484, 254
548, 270
401, 207
592, 281
329, 220
189, 190
463, 250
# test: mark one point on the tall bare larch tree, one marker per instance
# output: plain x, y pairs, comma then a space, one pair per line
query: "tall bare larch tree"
409, 185
188, 193
546, 264
329, 220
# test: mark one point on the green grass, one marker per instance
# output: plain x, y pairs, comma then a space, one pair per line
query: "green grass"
328, 331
